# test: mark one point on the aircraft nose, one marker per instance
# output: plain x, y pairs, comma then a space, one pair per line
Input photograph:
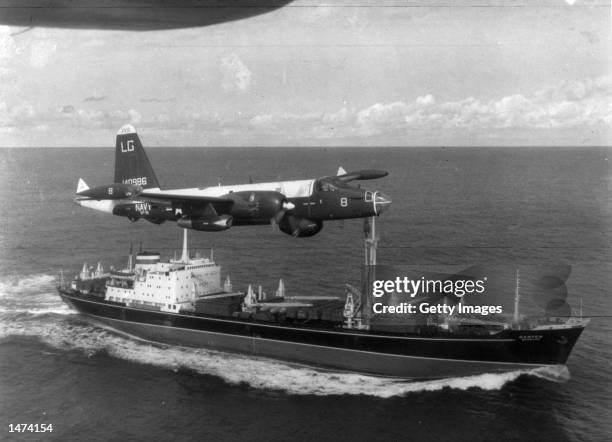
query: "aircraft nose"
381, 202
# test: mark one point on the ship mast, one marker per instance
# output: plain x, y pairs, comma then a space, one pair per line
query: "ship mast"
371, 241
130, 258
185, 255
517, 297
370, 245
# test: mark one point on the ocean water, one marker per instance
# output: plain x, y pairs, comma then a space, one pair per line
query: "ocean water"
453, 206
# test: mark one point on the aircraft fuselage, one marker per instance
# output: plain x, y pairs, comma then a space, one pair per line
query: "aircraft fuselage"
314, 199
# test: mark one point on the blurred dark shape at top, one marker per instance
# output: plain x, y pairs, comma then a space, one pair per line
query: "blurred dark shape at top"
135, 15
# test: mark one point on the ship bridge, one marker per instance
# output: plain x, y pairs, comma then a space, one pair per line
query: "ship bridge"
169, 286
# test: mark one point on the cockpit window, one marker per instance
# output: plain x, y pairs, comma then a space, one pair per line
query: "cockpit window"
326, 186
368, 196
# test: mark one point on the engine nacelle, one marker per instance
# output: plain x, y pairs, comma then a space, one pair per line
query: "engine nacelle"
115, 191
256, 205
300, 227
214, 224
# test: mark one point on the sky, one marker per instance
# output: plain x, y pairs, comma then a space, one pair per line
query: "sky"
342, 73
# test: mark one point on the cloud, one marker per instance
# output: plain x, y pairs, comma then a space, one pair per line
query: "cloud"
383, 116
312, 125
157, 100
236, 75
564, 106
577, 104
135, 116
94, 98
25, 115
99, 118
427, 99
15, 115
580, 109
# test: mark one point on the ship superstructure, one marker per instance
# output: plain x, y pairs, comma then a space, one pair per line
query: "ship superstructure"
170, 286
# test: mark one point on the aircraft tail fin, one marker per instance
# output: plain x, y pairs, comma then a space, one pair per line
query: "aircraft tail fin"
341, 171
132, 165
82, 186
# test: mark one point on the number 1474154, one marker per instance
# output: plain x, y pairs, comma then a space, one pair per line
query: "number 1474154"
30, 428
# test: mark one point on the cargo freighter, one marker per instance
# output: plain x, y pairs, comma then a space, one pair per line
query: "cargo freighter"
184, 302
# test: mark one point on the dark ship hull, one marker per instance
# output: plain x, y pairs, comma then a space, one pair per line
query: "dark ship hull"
328, 345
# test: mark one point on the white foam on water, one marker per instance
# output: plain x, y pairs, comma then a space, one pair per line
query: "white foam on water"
553, 373
32, 294
255, 372
60, 310
12, 285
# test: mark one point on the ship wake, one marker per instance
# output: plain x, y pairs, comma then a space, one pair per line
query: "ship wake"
30, 295
30, 307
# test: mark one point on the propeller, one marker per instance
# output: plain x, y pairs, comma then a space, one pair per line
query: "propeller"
286, 206
297, 226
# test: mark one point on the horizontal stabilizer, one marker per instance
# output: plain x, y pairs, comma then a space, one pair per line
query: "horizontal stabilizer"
82, 186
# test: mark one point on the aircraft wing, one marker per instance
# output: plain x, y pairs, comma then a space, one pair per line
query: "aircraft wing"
221, 205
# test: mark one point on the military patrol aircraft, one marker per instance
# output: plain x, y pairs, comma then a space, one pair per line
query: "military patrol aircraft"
298, 208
